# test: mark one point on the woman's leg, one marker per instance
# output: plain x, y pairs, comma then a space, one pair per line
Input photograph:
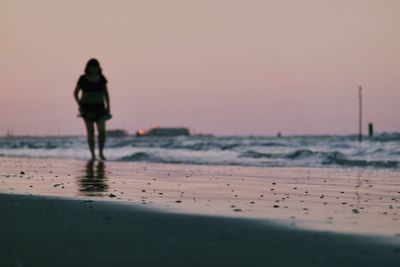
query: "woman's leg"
101, 129
90, 136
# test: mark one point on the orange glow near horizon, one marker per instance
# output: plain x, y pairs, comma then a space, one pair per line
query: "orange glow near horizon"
220, 66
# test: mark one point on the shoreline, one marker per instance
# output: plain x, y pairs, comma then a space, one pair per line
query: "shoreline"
259, 151
42, 231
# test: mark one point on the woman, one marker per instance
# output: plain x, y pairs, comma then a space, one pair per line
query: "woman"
94, 104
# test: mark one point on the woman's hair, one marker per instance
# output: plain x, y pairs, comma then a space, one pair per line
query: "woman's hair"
92, 63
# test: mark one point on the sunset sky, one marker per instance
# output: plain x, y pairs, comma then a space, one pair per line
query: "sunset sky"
219, 66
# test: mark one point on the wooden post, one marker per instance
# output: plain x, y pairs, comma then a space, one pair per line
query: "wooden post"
360, 114
370, 129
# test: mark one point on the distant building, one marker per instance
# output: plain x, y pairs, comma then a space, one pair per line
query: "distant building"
170, 132
117, 133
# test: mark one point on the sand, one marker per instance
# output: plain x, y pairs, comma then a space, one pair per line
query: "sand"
38, 231
75, 213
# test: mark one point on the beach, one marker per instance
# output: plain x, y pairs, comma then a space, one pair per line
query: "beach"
200, 133
74, 212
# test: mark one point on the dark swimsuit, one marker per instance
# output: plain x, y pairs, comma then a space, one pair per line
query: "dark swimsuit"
92, 111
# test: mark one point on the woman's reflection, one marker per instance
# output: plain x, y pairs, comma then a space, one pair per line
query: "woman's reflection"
94, 182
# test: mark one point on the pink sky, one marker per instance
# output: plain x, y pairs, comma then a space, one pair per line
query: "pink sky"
219, 66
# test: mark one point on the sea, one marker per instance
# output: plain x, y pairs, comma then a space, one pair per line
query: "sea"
380, 151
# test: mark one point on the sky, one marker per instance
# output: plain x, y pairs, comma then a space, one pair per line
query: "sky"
226, 67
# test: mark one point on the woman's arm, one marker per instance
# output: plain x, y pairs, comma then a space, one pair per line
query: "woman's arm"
107, 98
76, 94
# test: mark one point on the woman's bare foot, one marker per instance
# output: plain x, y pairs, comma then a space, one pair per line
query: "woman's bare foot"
102, 156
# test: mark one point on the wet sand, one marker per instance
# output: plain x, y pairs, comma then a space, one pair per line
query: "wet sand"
339, 200
56, 212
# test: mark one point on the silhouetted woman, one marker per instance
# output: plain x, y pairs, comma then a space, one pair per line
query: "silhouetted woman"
94, 104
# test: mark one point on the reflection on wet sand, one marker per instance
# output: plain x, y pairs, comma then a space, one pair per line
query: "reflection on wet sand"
94, 180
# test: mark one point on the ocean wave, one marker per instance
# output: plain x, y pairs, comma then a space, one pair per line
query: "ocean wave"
297, 154
38, 143
27, 145
257, 155
319, 158
272, 144
334, 155
200, 146
141, 156
381, 151
337, 158
332, 159
192, 144
301, 153
362, 163
386, 137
